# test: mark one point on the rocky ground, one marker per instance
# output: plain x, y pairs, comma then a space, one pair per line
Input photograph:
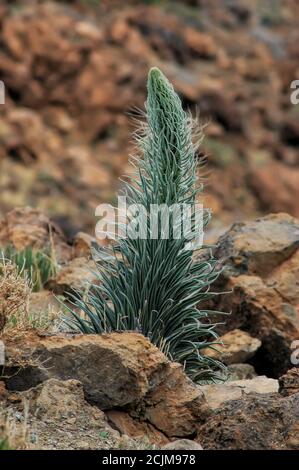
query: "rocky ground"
62, 390
74, 70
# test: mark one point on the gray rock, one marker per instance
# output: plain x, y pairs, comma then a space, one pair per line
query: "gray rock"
253, 422
182, 444
217, 394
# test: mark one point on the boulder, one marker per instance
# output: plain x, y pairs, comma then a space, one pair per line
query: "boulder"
261, 259
253, 422
58, 417
234, 347
175, 405
117, 370
217, 394
259, 246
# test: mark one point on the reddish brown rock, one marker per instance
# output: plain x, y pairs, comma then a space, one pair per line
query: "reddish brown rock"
3, 391
257, 247
262, 271
234, 347
276, 187
76, 275
125, 424
175, 405
255, 422
117, 370
28, 227
82, 245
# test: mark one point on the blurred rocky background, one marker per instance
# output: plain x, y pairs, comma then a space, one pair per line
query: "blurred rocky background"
75, 70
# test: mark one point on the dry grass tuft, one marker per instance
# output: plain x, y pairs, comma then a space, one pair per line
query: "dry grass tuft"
14, 433
14, 294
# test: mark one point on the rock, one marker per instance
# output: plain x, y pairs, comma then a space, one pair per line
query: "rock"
182, 444
259, 384
175, 405
117, 370
127, 425
261, 259
200, 44
27, 227
76, 275
82, 245
259, 309
60, 418
254, 422
276, 194
55, 416
237, 347
289, 382
3, 391
217, 394
241, 372
259, 246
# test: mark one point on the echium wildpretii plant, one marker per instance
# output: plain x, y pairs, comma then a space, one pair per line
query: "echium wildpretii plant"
153, 284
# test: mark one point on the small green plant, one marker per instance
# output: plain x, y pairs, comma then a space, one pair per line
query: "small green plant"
4, 444
39, 267
155, 285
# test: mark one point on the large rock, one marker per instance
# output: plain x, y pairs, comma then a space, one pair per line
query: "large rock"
234, 347
175, 405
54, 415
57, 417
255, 421
257, 247
117, 370
217, 394
262, 269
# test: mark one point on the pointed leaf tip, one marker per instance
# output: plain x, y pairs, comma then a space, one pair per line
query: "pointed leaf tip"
155, 76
